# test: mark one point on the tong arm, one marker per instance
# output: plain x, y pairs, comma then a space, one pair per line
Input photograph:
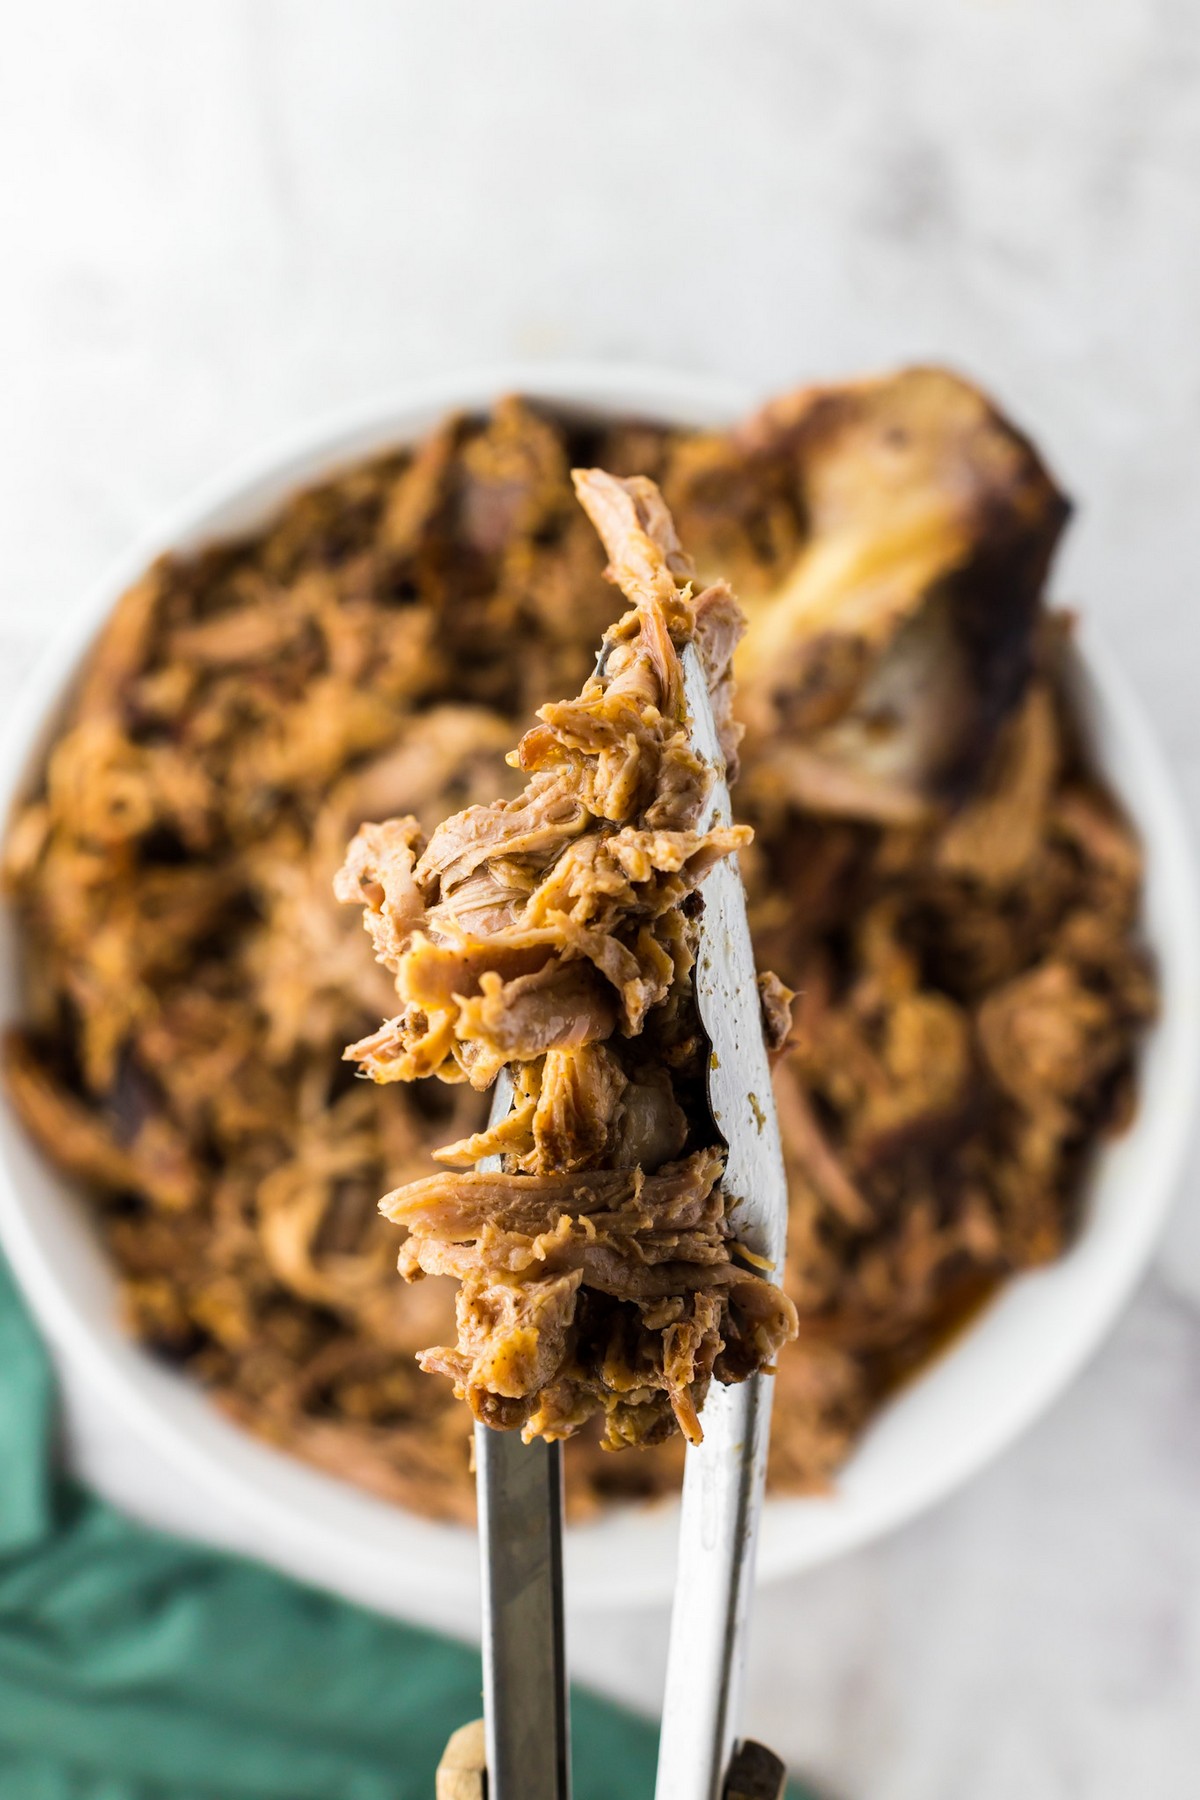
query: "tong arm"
725, 1476
520, 1496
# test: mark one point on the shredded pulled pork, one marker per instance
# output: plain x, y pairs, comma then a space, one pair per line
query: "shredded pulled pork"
555, 934
191, 981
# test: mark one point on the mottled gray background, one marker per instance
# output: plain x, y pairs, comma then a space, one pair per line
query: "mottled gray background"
219, 220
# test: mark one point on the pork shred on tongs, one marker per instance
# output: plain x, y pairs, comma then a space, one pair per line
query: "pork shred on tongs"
555, 934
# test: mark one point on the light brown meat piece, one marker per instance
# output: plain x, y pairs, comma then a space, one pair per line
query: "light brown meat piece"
894, 633
594, 1269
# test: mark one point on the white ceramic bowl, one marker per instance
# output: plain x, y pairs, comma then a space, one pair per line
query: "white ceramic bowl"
964, 1409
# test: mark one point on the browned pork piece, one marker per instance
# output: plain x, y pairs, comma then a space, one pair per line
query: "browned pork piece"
555, 934
911, 529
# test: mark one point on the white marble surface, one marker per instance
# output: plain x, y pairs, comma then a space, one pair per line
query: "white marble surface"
219, 219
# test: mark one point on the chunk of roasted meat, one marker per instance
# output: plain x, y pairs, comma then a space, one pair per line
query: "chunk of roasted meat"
555, 934
894, 631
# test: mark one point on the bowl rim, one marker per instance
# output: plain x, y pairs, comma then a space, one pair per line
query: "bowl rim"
850, 1518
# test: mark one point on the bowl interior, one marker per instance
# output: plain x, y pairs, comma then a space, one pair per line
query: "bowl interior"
940, 1428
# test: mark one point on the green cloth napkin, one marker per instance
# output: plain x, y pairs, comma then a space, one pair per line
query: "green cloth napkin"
137, 1667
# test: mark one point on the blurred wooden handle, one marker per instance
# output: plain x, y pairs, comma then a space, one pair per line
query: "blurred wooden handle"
755, 1773
462, 1772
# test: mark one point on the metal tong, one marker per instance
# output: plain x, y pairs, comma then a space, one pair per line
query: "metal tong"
526, 1737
